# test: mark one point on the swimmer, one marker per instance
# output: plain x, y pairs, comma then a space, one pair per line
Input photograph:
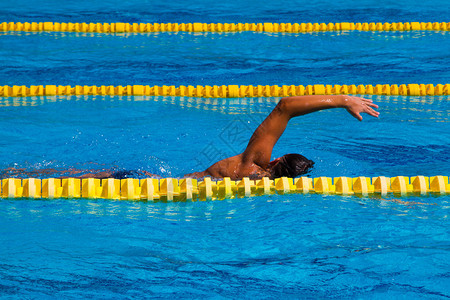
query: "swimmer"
254, 162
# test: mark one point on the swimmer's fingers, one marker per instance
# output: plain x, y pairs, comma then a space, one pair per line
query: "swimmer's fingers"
372, 112
370, 103
355, 114
369, 110
357, 105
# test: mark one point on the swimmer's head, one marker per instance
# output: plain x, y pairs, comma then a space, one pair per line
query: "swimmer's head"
289, 165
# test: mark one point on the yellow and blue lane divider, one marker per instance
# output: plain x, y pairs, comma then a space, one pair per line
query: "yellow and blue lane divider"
226, 91
188, 189
220, 27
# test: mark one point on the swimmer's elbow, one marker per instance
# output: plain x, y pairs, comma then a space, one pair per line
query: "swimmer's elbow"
283, 105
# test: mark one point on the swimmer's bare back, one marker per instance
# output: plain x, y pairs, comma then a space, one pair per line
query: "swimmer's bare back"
73, 173
254, 162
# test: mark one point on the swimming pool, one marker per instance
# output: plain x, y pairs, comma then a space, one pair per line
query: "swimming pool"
302, 246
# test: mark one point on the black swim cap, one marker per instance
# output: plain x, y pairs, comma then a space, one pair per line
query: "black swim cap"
291, 165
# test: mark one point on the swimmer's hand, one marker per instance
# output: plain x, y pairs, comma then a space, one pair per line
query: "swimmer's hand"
357, 105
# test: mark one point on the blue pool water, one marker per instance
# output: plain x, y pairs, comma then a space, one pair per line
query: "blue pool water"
268, 247
210, 11
291, 246
225, 58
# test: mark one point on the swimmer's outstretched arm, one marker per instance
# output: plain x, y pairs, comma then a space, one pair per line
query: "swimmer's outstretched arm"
259, 148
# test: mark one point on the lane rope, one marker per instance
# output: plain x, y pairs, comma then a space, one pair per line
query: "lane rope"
170, 189
220, 27
227, 91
